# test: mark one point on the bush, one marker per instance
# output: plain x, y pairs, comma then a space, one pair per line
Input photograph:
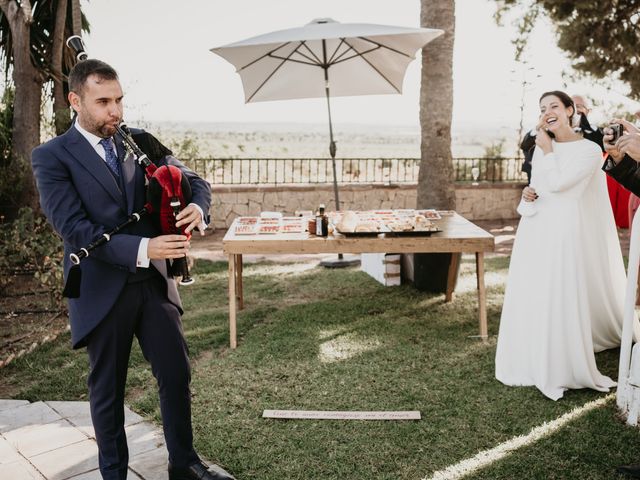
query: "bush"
12, 171
29, 244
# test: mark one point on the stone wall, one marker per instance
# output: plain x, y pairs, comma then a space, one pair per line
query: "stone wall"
480, 202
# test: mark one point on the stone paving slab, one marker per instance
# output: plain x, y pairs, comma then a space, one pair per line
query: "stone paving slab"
95, 475
8, 454
55, 441
37, 413
143, 437
36, 439
20, 470
151, 464
68, 461
5, 404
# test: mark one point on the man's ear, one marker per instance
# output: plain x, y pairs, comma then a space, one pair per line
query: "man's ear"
74, 100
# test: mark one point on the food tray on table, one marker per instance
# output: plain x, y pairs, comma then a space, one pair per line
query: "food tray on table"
269, 225
369, 233
359, 234
412, 233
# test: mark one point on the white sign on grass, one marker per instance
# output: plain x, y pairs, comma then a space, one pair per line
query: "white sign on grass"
335, 415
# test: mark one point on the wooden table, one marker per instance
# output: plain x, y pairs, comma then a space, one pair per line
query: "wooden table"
458, 235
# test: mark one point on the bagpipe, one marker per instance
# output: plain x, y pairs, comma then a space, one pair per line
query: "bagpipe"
168, 192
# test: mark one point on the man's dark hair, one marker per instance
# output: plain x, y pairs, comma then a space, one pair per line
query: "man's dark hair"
564, 98
84, 69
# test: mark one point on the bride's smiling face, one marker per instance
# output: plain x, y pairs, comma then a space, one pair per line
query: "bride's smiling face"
553, 114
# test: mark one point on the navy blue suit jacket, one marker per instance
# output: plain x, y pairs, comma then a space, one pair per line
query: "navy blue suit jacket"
82, 200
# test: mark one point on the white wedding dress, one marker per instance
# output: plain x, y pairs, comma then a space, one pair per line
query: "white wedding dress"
566, 284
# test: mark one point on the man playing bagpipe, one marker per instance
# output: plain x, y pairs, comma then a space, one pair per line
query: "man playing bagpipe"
88, 184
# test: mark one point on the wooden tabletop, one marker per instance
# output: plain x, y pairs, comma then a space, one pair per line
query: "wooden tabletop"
458, 235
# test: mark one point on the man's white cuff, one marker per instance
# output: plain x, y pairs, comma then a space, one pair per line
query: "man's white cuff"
143, 260
201, 226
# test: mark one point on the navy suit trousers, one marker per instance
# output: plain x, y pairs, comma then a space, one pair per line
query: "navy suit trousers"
142, 310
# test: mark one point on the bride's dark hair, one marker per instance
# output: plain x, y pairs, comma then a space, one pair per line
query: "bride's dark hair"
564, 98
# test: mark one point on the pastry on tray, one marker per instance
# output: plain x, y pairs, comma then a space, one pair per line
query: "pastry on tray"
245, 229
268, 228
422, 224
367, 227
348, 222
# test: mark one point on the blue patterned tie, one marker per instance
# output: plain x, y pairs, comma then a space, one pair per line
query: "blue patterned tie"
110, 156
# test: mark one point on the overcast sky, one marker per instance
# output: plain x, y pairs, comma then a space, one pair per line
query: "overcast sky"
161, 51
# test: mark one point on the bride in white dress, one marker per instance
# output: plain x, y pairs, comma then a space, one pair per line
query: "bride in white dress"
565, 289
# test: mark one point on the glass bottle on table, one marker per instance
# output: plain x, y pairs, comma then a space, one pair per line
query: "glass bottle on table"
322, 222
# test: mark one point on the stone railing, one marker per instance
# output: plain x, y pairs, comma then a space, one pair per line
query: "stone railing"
386, 171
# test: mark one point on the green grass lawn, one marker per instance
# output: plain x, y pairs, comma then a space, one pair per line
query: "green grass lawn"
320, 339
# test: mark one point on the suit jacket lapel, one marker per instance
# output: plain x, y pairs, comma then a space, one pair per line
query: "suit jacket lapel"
86, 156
129, 171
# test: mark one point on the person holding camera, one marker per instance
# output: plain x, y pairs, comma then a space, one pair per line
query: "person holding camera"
565, 287
634, 200
622, 143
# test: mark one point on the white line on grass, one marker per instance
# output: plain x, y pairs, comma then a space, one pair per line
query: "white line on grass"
487, 457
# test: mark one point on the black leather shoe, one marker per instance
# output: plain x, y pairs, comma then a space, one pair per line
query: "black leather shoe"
632, 471
197, 471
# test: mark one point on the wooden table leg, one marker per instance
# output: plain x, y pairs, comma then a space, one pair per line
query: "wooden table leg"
239, 292
451, 276
482, 296
232, 301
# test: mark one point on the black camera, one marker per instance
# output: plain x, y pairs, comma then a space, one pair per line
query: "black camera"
617, 132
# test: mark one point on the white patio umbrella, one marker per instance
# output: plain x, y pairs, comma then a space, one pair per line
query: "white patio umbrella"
326, 58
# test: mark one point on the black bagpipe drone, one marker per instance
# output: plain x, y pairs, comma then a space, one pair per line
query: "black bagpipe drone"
168, 192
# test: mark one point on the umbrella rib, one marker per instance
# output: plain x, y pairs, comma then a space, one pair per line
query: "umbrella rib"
268, 54
284, 60
382, 45
333, 60
315, 61
356, 54
375, 68
287, 59
304, 44
336, 51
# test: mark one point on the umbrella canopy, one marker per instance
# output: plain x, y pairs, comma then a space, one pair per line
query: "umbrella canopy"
326, 58
357, 59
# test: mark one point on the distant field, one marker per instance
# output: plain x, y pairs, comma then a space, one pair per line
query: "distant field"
304, 141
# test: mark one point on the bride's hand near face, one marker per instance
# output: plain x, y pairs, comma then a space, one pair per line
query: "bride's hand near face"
529, 194
543, 140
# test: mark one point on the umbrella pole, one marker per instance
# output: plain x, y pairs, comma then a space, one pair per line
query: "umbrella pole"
332, 143
340, 261
332, 150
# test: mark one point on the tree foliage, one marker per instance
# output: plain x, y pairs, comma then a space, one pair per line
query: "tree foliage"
42, 34
601, 38
32, 56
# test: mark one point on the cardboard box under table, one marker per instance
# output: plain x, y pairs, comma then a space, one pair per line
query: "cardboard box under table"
384, 267
457, 235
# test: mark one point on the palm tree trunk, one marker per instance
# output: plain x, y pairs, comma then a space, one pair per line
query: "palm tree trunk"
435, 180
61, 114
76, 17
28, 86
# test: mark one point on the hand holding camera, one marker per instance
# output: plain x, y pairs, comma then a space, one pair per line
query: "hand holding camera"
616, 132
622, 138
